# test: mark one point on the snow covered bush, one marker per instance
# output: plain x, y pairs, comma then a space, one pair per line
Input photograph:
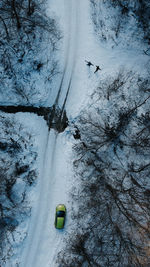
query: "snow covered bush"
17, 174
28, 43
124, 23
111, 212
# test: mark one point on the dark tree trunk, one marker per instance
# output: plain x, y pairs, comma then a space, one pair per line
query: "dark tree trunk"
16, 15
6, 30
29, 7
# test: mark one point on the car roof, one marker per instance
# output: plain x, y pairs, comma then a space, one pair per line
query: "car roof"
61, 207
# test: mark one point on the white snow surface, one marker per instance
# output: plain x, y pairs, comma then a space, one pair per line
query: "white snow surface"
55, 150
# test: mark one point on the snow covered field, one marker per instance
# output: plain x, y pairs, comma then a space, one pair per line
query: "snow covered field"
70, 90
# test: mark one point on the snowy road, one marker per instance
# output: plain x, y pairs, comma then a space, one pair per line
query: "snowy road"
43, 239
52, 187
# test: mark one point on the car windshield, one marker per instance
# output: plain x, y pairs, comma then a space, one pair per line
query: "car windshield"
60, 213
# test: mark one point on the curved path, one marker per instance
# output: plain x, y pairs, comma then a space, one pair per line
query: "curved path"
41, 231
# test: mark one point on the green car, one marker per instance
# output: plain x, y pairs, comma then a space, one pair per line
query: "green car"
60, 216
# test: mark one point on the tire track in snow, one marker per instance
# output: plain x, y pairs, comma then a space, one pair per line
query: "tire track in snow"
39, 224
71, 7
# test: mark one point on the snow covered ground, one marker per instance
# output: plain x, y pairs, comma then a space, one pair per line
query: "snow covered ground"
56, 178
55, 150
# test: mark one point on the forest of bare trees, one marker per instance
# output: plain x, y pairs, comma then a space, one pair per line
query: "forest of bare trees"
111, 197
28, 39
123, 22
17, 174
110, 211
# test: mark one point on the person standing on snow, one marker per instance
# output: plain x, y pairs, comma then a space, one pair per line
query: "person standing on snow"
89, 63
97, 68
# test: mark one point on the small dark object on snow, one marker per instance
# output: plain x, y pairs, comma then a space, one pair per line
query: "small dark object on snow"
77, 135
97, 68
89, 63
